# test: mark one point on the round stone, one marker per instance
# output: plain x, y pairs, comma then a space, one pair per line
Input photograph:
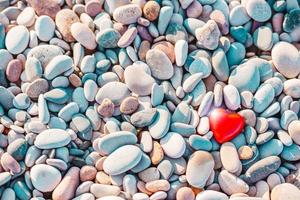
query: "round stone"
173, 145
44, 177
93, 8
14, 70
129, 105
294, 131
185, 193
286, 59
127, 14
26, 17
259, 10
291, 87
17, 39
37, 87
44, 28
151, 10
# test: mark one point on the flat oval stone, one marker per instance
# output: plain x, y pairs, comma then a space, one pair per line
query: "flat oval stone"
273, 147
159, 63
14, 70
128, 156
173, 145
26, 17
128, 37
37, 87
84, 35
285, 191
291, 153
44, 27
263, 38
108, 38
286, 59
64, 20
16, 40
121, 92
144, 117
52, 138
111, 142
229, 157
161, 123
127, 14
231, 184
262, 169
199, 168
238, 16
57, 66
138, 80
101, 190
44, 177
259, 10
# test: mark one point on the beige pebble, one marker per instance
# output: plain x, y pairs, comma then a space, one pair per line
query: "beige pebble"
151, 10
106, 108
185, 193
245, 152
84, 35
64, 20
157, 153
87, 173
129, 105
158, 185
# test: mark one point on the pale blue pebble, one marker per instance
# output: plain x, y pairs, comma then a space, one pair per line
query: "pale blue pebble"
144, 163
206, 104
164, 18
274, 123
239, 140
60, 81
183, 129
166, 169
250, 134
6, 98
264, 137
291, 5
57, 95
284, 137
81, 123
157, 94
132, 155
56, 122
206, 2
290, 166
177, 77
222, 6
21, 101
1, 111
191, 24
33, 68
52, 138
8, 193
286, 118
177, 19
58, 65
200, 143
44, 28
131, 53
89, 76
285, 103
21, 190
283, 171
238, 16
263, 97
170, 93
220, 66
235, 54
262, 38
264, 67
90, 90
182, 113
102, 66
62, 153
291, 153
275, 38
273, 147
277, 84
94, 117
161, 124
88, 64
124, 59
68, 111
181, 51
200, 65
107, 77
249, 40
44, 115
272, 110
137, 42
101, 56
215, 145
153, 30
79, 98
198, 93
129, 184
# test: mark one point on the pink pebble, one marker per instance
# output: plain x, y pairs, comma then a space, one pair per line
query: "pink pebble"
10, 164
14, 70
67, 187
93, 8
194, 10
277, 22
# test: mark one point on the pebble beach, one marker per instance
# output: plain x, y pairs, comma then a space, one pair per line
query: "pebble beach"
149, 100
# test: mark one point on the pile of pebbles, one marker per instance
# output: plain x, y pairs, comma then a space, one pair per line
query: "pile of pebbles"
110, 99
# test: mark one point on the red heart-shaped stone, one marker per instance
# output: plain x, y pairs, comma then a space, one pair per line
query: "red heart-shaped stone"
225, 124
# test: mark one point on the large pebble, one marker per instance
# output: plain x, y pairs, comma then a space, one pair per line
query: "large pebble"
128, 156
127, 14
160, 125
84, 35
229, 157
17, 39
199, 168
173, 145
208, 35
44, 177
44, 27
259, 10
231, 184
263, 97
57, 66
291, 88
285, 191
52, 138
64, 20
211, 195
